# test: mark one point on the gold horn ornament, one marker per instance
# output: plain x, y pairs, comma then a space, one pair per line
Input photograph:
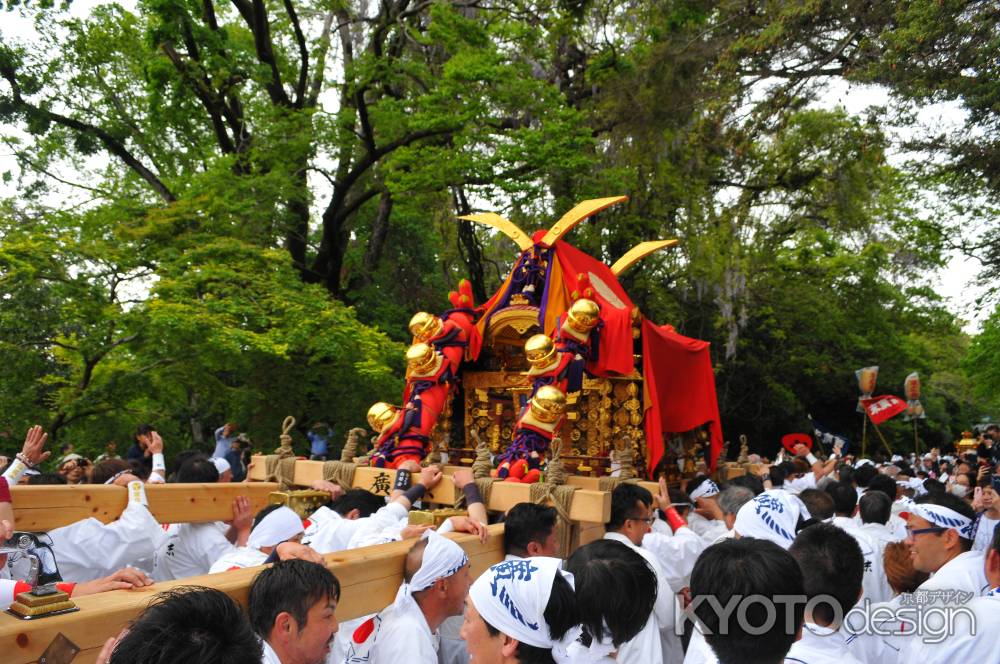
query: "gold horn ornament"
505, 226
640, 251
580, 212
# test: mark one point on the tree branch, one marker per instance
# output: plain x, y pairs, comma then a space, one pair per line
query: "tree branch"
111, 144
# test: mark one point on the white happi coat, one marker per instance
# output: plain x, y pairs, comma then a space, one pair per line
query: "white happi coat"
88, 549
191, 549
329, 532
820, 645
398, 634
242, 557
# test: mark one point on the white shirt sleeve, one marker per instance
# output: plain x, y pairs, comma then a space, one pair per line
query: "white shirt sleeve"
676, 554
383, 526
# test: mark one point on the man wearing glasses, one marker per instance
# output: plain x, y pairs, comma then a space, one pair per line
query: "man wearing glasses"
632, 517
940, 531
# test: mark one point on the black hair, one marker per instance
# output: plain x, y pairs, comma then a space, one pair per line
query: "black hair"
743, 568
623, 500
289, 586
365, 502
875, 507
777, 474
846, 473
46, 478
995, 542
831, 564
605, 565
864, 474
143, 430
954, 503
884, 484
934, 486
526, 523
107, 469
750, 482
681, 499
179, 460
819, 503
845, 497
197, 469
189, 625
560, 615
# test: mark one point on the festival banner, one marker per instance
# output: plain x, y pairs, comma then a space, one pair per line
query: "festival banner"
883, 408
866, 384
911, 388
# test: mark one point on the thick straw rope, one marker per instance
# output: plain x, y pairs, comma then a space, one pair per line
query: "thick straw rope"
481, 468
555, 489
285, 449
280, 470
624, 457
342, 472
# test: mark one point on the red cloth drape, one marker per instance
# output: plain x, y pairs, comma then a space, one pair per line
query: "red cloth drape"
679, 389
581, 271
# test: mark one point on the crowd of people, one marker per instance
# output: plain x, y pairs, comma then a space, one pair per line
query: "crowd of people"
804, 560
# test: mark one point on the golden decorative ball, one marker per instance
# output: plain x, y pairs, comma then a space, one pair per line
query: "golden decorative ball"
424, 326
380, 415
540, 350
583, 315
421, 358
548, 404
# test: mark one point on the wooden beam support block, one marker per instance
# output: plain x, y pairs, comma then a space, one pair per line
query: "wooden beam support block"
594, 483
369, 578
42, 508
592, 506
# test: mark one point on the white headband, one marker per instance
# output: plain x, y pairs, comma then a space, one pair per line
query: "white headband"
221, 464
863, 462
772, 515
704, 490
511, 596
280, 525
442, 558
943, 517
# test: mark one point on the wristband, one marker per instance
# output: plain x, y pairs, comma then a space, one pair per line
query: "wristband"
415, 493
674, 520
158, 462
14, 472
811, 458
4, 491
403, 480
472, 495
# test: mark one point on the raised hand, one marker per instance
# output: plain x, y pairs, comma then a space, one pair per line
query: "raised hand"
34, 442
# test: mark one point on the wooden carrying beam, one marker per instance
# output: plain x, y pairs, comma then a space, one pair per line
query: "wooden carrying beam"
589, 504
42, 508
369, 578
376, 480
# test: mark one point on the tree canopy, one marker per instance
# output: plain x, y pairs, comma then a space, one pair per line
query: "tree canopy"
229, 210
